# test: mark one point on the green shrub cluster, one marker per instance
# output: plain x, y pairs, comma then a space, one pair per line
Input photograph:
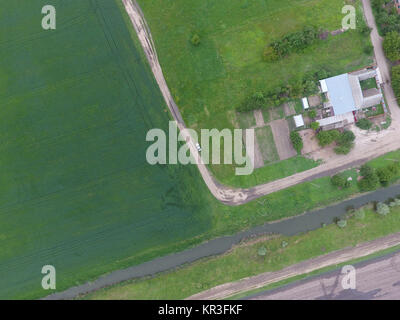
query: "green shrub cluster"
344, 140
396, 81
386, 16
296, 140
391, 45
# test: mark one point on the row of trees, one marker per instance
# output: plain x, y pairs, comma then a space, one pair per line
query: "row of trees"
396, 81
292, 42
371, 177
388, 21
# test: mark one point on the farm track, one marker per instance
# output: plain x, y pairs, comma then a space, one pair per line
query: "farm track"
367, 147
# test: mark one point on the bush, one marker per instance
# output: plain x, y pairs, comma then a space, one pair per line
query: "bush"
284, 244
395, 203
262, 251
297, 141
364, 124
359, 214
195, 40
341, 223
340, 181
391, 45
382, 208
345, 149
314, 125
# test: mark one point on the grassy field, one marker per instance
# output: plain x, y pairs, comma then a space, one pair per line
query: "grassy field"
209, 81
243, 260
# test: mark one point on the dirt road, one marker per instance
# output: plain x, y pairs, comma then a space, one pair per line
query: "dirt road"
229, 289
368, 146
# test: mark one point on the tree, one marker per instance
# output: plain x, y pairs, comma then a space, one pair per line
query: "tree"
370, 179
385, 175
312, 114
314, 125
297, 141
327, 137
195, 40
391, 45
346, 137
364, 124
340, 181
388, 173
382, 208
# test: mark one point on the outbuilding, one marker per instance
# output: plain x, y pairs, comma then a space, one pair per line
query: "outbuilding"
298, 120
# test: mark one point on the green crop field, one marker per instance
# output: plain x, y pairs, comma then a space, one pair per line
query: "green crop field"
210, 80
76, 191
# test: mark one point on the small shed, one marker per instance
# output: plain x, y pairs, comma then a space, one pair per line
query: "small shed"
298, 120
324, 87
305, 103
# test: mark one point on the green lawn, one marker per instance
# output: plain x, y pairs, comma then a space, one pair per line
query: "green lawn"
243, 261
209, 81
266, 144
368, 84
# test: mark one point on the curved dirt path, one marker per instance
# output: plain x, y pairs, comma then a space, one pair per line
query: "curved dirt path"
367, 146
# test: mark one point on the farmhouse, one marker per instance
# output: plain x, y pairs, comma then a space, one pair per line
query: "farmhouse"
344, 97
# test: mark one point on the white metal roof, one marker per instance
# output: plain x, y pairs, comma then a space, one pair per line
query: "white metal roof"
378, 73
305, 103
334, 119
324, 87
298, 120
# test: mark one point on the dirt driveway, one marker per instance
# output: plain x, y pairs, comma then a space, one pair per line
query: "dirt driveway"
281, 132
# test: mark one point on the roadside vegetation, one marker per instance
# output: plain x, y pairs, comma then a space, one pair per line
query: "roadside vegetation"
388, 23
